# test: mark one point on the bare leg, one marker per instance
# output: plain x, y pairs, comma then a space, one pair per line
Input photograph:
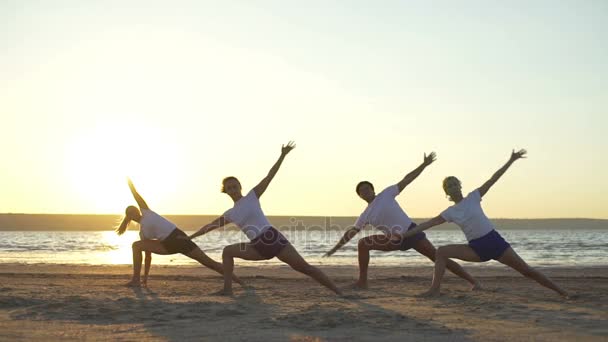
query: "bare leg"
138, 247
513, 260
372, 242
200, 256
426, 248
461, 252
239, 250
291, 257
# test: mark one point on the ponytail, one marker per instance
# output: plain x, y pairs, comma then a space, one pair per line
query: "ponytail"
123, 225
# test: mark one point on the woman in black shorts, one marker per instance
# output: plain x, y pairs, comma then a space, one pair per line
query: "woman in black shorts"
159, 236
266, 242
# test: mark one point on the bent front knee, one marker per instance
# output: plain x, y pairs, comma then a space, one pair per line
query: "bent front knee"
363, 244
136, 246
227, 252
441, 253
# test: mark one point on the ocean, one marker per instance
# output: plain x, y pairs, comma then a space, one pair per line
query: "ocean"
89, 239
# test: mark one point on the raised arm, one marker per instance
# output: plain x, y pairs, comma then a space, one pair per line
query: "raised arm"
218, 222
488, 184
428, 160
348, 235
261, 187
435, 221
140, 201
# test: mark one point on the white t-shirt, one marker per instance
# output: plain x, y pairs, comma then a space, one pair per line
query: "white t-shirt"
154, 226
469, 216
247, 214
385, 213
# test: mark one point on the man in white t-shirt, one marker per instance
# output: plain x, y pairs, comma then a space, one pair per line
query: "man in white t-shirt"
384, 213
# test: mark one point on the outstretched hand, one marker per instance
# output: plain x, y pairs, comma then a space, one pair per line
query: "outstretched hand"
519, 154
287, 148
328, 254
428, 160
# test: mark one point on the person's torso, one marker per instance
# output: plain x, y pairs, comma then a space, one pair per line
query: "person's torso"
154, 226
247, 214
385, 214
470, 217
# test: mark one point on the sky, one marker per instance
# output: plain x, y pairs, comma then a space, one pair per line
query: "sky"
178, 95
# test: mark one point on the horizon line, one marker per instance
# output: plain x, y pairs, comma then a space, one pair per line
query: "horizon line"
337, 216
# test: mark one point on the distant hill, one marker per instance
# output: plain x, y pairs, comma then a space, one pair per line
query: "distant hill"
56, 222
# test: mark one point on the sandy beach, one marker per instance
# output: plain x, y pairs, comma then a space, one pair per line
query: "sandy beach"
51, 302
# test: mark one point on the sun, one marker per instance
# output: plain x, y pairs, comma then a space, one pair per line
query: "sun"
98, 162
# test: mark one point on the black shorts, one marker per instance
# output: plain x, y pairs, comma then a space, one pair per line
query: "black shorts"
386, 243
270, 243
178, 242
412, 240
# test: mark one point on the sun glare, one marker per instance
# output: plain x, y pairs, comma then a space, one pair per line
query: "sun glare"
121, 246
98, 162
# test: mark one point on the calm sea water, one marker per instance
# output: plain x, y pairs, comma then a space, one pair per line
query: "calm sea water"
578, 246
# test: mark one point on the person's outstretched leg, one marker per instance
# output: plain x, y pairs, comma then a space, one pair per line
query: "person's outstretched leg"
513, 260
291, 257
200, 256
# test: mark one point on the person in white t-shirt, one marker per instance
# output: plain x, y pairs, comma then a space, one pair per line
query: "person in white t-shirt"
485, 243
266, 242
158, 235
384, 213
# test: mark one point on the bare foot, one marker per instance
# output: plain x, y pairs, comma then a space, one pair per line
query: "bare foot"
569, 296
133, 283
476, 287
223, 292
430, 293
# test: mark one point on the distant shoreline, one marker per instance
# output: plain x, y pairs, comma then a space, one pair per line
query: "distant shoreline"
104, 222
300, 216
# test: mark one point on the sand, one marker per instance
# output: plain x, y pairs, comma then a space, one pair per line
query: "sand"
52, 302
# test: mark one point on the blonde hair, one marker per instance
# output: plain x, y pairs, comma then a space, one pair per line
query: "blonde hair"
445, 184
124, 224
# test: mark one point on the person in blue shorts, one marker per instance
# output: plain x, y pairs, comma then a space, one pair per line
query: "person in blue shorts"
485, 243
384, 213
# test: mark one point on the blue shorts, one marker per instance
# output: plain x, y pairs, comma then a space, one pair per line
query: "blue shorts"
489, 246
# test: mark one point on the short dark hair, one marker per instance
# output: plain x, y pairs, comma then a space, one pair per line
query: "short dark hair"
363, 183
229, 178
